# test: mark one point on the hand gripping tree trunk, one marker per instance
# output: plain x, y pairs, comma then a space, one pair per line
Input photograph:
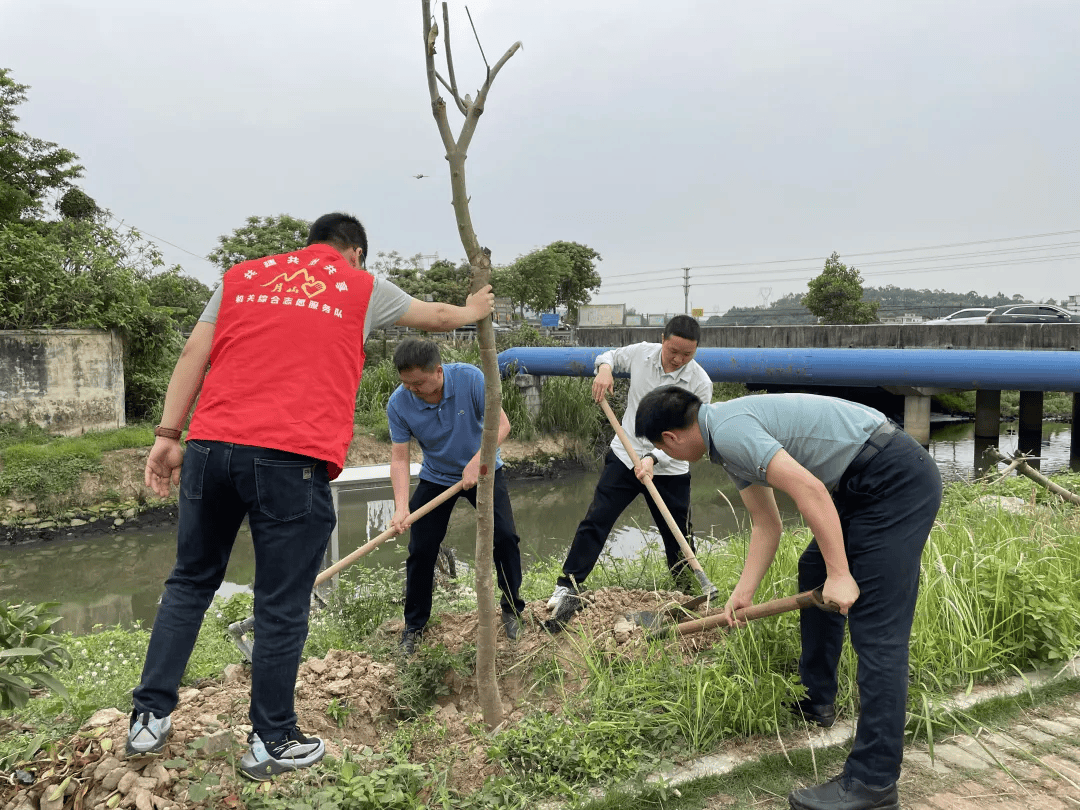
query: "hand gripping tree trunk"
480, 261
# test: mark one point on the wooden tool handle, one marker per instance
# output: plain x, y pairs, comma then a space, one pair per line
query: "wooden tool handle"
688, 553
344, 562
771, 608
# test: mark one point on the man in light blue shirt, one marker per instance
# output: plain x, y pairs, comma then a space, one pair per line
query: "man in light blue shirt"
870, 493
442, 407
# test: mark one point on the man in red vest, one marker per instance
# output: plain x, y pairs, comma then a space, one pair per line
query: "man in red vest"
284, 338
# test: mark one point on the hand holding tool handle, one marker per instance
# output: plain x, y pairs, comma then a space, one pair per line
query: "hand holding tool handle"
344, 562
772, 608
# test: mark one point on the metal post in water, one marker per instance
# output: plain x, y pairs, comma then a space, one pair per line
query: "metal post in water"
1030, 432
987, 427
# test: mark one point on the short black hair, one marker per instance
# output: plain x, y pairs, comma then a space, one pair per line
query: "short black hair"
668, 407
417, 353
343, 231
683, 326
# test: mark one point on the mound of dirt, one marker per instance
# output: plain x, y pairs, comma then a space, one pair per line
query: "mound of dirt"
210, 725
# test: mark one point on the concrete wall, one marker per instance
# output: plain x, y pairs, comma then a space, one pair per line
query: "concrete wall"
69, 381
1016, 336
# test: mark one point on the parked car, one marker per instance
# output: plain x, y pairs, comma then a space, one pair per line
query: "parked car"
969, 315
1032, 313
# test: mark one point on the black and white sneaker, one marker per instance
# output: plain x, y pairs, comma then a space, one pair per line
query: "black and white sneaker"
293, 751
147, 733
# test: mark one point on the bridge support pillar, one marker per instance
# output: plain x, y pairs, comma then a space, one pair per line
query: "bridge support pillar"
987, 428
917, 418
530, 386
1074, 441
1030, 433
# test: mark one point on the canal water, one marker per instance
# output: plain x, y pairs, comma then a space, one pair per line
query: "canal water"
118, 579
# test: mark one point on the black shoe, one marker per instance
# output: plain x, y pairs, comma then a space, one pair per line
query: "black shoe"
511, 625
409, 640
821, 713
845, 792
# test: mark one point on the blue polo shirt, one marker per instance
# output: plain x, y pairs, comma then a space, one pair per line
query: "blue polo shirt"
448, 431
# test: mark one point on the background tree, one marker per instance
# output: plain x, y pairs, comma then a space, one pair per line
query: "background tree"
446, 281
580, 280
533, 279
404, 272
480, 261
258, 237
836, 295
30, 168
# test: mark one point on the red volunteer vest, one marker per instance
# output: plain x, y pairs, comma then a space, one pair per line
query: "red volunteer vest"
287, 355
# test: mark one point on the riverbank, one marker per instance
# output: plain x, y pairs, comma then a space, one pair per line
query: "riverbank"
114, 498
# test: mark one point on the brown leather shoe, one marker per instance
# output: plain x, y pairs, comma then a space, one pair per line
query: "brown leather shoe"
844, 792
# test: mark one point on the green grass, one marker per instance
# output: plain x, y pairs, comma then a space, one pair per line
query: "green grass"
35, 466
1055, 403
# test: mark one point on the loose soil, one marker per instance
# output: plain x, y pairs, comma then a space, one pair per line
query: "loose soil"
210, 725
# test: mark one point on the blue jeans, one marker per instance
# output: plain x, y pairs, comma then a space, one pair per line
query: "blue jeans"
286, 498
886, 511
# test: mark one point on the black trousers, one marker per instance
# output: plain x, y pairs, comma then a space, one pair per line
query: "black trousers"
886, 512
427, 533
616, 490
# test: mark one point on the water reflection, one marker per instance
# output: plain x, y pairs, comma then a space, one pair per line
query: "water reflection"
118, 579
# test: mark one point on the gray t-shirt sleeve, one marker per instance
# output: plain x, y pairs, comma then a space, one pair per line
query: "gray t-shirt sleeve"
210, 311
388, 303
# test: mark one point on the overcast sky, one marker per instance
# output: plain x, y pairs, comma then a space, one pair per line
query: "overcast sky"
664, 135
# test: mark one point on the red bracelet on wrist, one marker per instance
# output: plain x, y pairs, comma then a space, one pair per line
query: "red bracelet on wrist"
167, 433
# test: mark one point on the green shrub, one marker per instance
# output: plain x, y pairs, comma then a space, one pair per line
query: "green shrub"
29, 652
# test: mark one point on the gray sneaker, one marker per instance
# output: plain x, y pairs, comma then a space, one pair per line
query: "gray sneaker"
291, 752
147, 733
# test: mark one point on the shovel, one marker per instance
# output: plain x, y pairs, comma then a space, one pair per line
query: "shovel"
771, 608
238, 631
708, 590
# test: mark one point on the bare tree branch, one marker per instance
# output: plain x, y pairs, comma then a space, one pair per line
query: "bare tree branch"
478, 45
477, 108
460, 104
450, 62
438, 106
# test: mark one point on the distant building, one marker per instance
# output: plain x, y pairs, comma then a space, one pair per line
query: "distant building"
907, 317
1072, 303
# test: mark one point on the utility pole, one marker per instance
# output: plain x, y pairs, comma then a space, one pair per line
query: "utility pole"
686, 290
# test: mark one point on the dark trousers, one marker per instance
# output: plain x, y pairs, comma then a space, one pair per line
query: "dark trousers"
426, 535
616, 490
286, 498
886, 512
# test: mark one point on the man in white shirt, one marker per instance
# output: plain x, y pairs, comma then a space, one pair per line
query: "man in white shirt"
650, 366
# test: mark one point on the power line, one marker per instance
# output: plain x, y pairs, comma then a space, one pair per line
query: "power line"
850, 255
158, 238
872, 274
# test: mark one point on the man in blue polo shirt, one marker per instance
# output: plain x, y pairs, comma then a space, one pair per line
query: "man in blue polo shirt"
442, 407
869, 493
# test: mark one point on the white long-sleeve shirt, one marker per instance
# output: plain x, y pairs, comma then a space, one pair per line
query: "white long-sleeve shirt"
642, 361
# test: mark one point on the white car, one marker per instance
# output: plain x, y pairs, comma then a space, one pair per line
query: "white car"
971, 315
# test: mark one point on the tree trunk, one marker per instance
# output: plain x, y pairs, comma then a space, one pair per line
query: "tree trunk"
480, 262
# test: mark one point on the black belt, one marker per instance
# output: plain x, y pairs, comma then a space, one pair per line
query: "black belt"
881, 436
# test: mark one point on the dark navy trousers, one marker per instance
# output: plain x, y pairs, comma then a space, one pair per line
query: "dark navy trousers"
886, 511
427, 533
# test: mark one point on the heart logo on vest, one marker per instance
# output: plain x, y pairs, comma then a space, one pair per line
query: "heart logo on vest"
312, 288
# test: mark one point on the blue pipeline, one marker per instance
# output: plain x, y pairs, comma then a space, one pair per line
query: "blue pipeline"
964, 369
